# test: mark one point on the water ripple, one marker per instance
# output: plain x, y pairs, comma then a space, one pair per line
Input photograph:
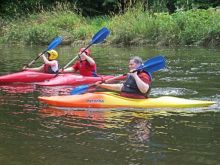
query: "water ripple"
172, 91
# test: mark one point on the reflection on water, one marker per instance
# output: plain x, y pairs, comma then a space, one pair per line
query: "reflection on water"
136, 124
18, 88
80, 118
138, 136
139, 130
54, 90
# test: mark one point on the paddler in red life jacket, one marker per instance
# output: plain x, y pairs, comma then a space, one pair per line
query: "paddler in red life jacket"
50, 63
86, 66
137, 84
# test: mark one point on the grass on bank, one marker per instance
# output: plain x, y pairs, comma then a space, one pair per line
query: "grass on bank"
135, 27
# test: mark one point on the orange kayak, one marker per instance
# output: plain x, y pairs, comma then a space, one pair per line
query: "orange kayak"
112, 100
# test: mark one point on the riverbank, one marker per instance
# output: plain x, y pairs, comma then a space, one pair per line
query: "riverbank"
135, 27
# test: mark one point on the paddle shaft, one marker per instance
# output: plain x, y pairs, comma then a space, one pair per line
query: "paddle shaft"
33, 61
97, 38
114, 78
110, 79
76, 57
52, 45
73, 60
84, 88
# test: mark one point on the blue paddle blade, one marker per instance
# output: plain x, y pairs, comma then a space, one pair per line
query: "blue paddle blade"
79, 89
153, 64
100, 36
54, 43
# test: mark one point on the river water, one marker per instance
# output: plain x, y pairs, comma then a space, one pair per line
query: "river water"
32, 133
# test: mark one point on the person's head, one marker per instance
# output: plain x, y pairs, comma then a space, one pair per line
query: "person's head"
87, 51
52, 54
135, 62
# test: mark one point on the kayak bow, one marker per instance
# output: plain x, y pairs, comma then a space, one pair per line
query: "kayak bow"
25, 77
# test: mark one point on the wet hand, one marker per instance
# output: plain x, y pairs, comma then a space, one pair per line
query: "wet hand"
133, 72
24, 68
83, 55
40, 54
61, 70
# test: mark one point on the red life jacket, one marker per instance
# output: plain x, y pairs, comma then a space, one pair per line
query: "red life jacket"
85, 68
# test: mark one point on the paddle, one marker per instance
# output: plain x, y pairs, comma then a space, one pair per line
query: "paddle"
97, 38
52, 45
153, 64
149, 66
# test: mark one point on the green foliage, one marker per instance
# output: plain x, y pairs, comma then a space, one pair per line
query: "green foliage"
196, 25
39, 34
129, 26
135, 26
41, 28
166, 29
139, 27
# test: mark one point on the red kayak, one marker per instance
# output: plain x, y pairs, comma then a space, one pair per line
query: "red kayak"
40, 78
73, 79
25, 77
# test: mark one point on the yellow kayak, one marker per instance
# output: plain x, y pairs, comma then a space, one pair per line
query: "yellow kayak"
112, 100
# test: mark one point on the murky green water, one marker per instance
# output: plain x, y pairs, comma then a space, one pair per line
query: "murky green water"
31, 133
